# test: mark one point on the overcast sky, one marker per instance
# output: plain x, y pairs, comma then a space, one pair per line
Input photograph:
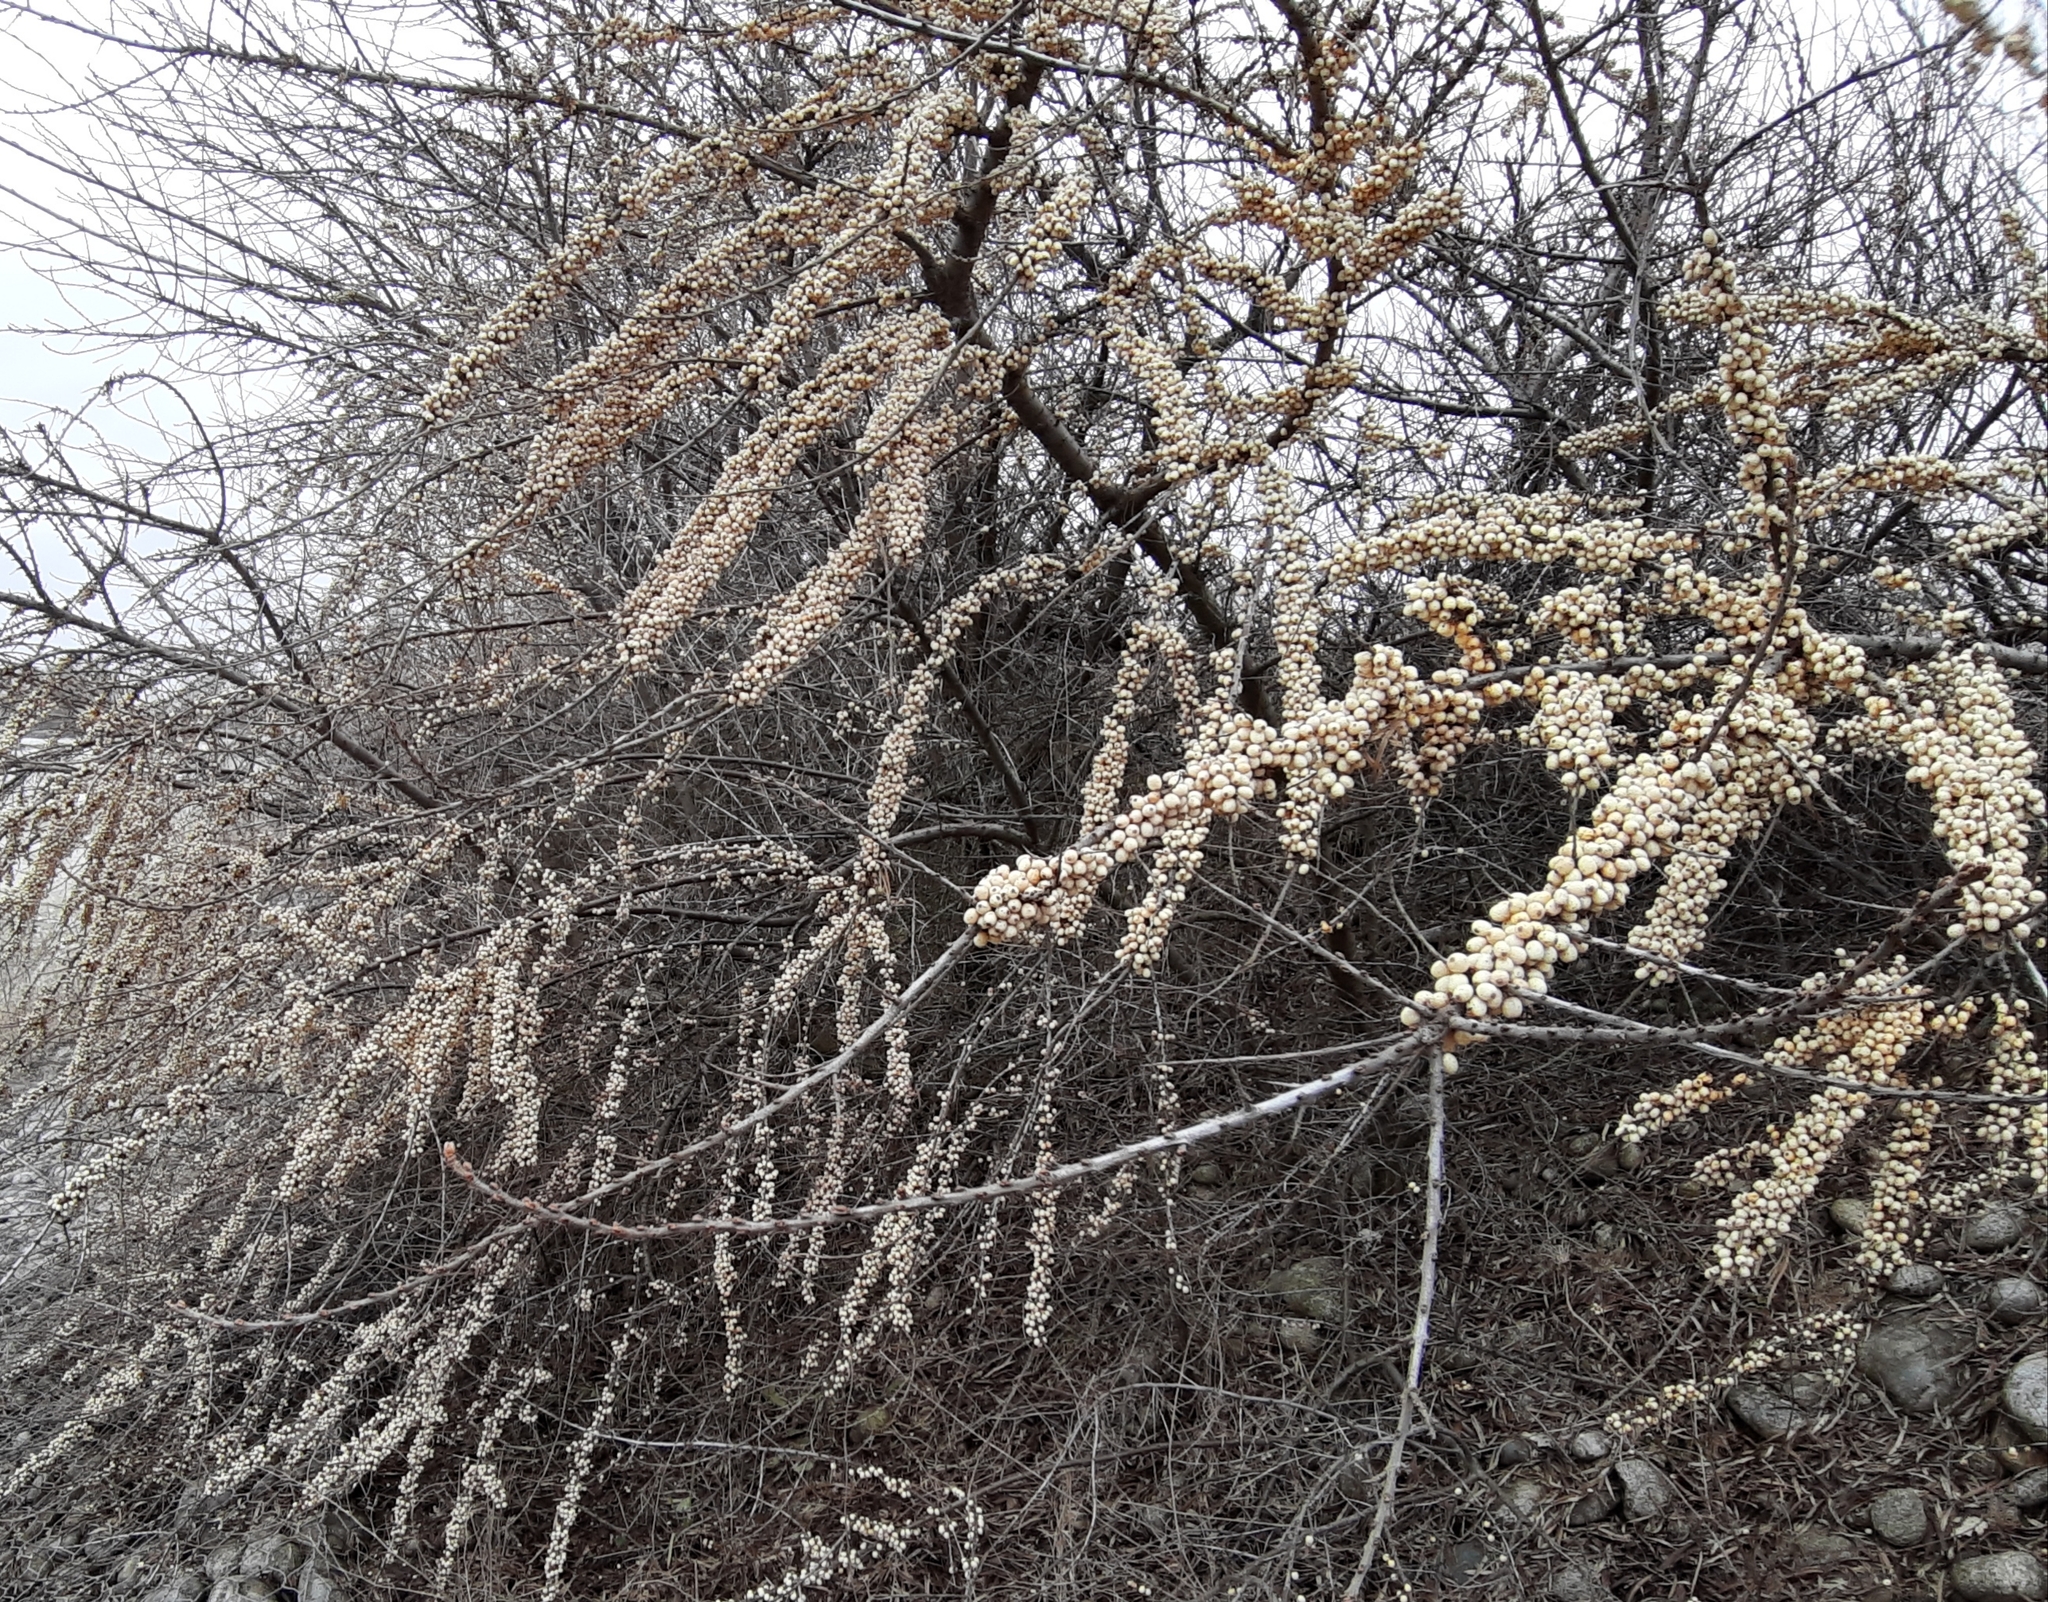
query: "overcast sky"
40, 72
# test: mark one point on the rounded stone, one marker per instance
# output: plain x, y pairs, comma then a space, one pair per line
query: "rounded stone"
1375, 1179
1594, 1506
1524, 1498
1312, 1288
1999, 1577
1764, 1413
1578, 1582
315, 1586
1356, 1482
875, 1421
1517, 1451
1589, 1446
1994, 1229
1646, 1490
1819, 1551
339, 1531
1301, 1334
1849, 1214
2014, 1300
1918, 1362
1899, 1517
273, 1556
2026, 1394
2027, 1491
1465, 1561
1916, 1280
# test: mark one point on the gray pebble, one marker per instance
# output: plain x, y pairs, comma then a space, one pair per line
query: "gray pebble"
1524, 1498
1578, 1582
1595, 1505
1806, 1390
1356, 1482
1517, 1451
1313, 1288
1995, 1228
2026, 1394
339, 1531
1466, 1560
2013, 1300
1999, 1577
2028, 1491
1899, 1518
1602, 1162
1850, 1214
184, 1586
1916, 1360
1589, 1446
1764, 1413
314, 1586
273, 1556
1916, 1280
1376, 1179
224, 1562
1646, 1490
1819, 1549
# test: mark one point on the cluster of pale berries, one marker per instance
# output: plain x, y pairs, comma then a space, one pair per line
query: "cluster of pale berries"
1765, 761
1443, 606
1963, 745
1177, 427
1575, 729
1865, 1044
1234, 761
891, 524
1043, 898
725, 519
1294, 614
1657, 1110
1590, 616
559, 273
1046, 898
1746, 392
1827, 1340
1044, 1235
1598, 441
1515, 948
1051, 226
1895, 1199
2015, 1070
1506, 528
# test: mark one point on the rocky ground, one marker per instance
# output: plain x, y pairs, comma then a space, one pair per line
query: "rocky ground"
1903, 1459
1919, 1473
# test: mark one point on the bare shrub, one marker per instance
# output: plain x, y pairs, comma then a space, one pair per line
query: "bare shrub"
899, 699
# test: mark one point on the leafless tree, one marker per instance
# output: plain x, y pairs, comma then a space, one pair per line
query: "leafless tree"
860, 825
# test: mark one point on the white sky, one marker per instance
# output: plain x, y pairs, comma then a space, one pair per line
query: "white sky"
40, 69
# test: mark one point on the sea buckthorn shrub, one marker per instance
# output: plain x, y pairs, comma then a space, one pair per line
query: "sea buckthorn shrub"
810, 786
